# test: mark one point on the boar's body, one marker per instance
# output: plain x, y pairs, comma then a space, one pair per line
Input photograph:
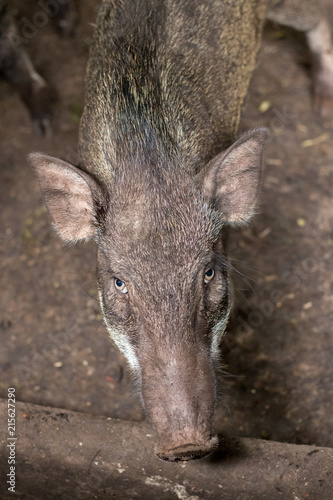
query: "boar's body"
165, 84
166, 78
164, 89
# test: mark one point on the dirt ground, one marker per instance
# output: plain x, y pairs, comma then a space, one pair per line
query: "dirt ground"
278, 380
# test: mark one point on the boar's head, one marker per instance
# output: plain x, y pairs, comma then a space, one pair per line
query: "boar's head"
162, 273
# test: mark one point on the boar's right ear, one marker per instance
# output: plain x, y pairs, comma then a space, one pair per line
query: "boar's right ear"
68, 193
230, 181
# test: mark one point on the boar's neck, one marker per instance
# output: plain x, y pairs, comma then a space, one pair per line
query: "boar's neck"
165, 84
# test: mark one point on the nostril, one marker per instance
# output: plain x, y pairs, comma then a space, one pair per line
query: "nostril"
187, 451
179, 454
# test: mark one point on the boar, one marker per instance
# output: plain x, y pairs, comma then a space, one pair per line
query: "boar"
160, 178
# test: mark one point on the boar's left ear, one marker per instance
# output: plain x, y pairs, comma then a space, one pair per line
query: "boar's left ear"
69, 194
230, 181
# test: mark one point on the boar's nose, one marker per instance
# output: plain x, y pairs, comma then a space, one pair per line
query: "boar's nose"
186, 451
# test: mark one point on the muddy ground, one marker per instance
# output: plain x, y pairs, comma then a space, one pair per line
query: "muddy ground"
278, 380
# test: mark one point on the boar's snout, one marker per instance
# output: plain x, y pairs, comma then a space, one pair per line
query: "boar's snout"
178, 392
186, 450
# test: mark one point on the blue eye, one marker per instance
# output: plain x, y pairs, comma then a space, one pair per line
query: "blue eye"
120, 285
209, 275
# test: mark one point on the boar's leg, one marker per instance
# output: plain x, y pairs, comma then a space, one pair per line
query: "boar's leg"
305, 15
16, 67
320, 43
66, 17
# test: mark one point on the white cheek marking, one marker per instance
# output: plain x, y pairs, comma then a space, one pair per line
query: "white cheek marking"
120, 340
124, 346
217, 334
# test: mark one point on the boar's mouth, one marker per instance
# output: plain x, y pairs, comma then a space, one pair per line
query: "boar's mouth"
187, 451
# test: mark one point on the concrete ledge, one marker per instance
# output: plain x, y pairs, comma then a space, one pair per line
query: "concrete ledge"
66, 455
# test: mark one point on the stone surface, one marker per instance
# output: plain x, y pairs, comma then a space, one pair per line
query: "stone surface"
67, 455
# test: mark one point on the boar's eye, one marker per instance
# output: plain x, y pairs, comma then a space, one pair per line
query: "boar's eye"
120, 285
209, 275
